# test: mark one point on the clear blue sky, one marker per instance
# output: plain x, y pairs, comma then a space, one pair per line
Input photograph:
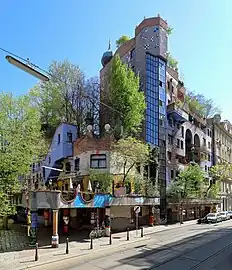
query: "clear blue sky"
78, 30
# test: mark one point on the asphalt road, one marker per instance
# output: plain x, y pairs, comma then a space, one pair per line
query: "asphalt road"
187, 248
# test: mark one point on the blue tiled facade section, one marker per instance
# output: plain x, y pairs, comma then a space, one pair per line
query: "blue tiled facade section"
155, 98
99, 201
61, 146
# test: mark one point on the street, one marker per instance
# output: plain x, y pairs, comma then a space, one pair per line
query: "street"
202, 246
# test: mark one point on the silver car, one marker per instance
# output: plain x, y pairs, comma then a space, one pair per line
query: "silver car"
224, 215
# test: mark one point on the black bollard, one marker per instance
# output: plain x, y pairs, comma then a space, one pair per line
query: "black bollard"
67, 250
91, 242
110, 238
141, 231
36, 252
127, 236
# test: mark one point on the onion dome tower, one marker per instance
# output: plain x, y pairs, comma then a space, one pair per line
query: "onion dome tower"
107, 56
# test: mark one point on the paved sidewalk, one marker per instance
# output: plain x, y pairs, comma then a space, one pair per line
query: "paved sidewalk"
26, 258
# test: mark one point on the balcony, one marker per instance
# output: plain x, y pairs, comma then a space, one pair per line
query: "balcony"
177, 113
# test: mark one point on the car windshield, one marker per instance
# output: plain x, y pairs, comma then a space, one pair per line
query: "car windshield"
211, 215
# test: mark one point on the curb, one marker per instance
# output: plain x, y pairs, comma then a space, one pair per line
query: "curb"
86, 255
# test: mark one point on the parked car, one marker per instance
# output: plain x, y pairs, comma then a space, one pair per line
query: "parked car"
224, 215
230, 214
210, 218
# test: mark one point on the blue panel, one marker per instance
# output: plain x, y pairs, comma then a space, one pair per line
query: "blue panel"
98, 201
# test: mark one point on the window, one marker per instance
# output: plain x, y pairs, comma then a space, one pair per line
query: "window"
69, 137
68, 167
172, 174
209, 157
33, 167
208, 144
182, 145
206, 168
178, 126
98, 161
160, 84
170, 139
204, 142
77, 164
168, 84
49, 160
58, 139
182, 132
169, 156
178, 143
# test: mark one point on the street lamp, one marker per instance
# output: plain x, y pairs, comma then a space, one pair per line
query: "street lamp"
26, 68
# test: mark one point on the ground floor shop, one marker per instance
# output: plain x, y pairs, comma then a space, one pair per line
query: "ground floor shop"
191, 210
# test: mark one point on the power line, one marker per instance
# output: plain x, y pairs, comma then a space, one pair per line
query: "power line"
51, 75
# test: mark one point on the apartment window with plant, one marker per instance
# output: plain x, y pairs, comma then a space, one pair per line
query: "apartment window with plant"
69, 137
98, 161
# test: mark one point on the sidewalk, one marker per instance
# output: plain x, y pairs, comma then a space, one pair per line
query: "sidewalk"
26, 258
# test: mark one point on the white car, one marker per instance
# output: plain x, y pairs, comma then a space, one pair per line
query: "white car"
224, 215
213, 218
230, 214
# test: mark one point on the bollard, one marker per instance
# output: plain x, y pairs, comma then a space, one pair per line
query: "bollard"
141, 231
110, 238
91, 242
36, 252
127, 236
67, 250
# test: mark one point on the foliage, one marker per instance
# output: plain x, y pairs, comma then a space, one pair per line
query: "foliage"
20, 135
171, 62
189, 184
128, 103
202, 106
218, 173
170, 30
130, 152
145, 186
104, 179
66, 97
122, 40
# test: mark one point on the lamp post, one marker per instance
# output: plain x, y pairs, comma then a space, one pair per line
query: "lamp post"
27, 68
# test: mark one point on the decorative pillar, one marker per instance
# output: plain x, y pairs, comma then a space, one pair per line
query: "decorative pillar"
33, 228
55, 236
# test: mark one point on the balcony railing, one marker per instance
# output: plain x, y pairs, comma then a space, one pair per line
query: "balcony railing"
177, 113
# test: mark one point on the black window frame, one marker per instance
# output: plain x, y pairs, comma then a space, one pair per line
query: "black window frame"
77, 164
98, 159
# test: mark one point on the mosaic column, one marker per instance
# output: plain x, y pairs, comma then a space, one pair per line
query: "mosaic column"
33, 228
55, 236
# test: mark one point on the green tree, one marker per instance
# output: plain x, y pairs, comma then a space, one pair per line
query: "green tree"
189, 184
20, 143
103, 179
128, 153
122, 40
171, 62
201, 105
67, 97
218, 173
124, 97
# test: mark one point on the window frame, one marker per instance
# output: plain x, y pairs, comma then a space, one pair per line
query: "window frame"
69, 136
98, 159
